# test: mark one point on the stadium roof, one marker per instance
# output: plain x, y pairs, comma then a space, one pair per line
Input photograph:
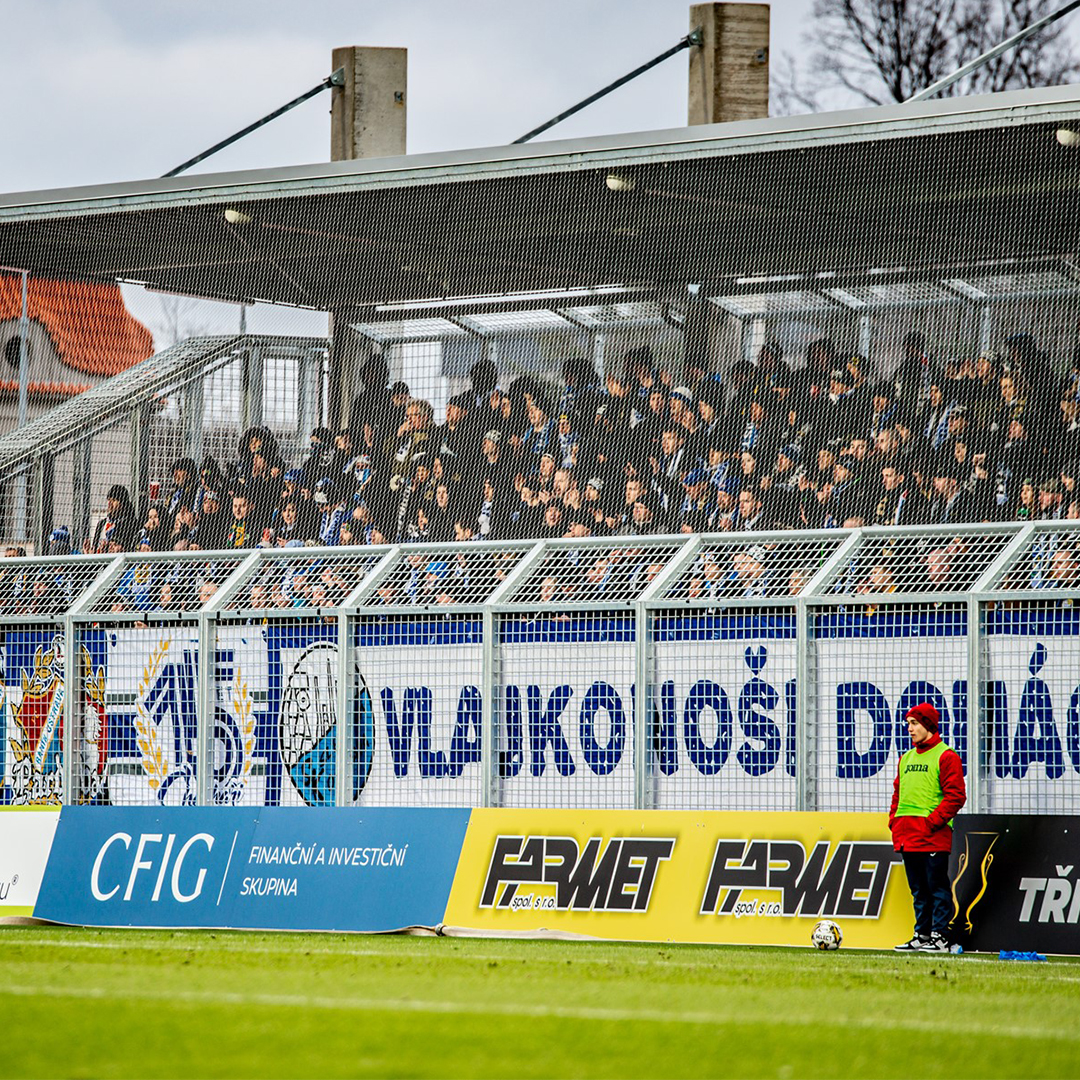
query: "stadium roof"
960, 183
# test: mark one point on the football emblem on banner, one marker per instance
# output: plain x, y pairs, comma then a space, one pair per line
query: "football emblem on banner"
308, 726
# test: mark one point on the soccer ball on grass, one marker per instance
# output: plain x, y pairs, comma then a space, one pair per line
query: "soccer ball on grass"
826, 935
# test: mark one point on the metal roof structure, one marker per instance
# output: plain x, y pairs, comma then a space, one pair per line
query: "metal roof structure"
498, 221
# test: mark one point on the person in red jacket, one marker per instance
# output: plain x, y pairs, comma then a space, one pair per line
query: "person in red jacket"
928, 791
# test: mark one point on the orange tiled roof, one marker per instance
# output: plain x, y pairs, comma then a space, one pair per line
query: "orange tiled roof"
92, 329
9, 387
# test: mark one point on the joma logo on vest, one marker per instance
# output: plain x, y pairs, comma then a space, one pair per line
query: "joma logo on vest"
850, 884
916, 766
621, 879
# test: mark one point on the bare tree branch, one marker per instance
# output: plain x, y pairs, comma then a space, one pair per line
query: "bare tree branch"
881, 51
788, 94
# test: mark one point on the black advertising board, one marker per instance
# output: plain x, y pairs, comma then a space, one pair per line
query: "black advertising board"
1016, 883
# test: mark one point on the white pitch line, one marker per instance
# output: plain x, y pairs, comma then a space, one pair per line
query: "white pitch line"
952, 1026
864, 965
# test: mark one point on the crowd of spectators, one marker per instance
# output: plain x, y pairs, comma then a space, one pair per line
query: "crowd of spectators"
768, 445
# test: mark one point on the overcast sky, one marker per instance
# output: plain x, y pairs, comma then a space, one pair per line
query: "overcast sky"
108, 90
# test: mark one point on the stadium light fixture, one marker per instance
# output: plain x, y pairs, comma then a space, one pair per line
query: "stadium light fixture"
615, 182
1067, 137
237, 217
554, 295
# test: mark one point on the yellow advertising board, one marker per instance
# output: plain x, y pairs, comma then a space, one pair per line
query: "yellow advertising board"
671, 876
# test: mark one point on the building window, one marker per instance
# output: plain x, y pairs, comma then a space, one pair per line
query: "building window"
11, 352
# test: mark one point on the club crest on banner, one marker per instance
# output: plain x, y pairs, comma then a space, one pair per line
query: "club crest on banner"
33, 731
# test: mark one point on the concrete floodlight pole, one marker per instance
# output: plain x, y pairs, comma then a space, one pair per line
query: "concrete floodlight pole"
729, 80
367, 119
729, 73
367, 112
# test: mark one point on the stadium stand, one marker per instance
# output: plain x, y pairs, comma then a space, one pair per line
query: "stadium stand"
823, 442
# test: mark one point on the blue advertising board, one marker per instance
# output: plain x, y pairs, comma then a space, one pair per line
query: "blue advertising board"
252, 868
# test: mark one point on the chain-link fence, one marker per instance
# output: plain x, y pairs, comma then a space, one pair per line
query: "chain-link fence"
723, 672
41, 666
1030, 697
777, 670
420, 665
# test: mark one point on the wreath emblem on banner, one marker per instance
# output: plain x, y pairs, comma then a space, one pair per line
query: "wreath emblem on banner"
151, 737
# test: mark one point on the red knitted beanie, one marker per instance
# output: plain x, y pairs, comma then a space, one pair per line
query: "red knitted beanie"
926, 714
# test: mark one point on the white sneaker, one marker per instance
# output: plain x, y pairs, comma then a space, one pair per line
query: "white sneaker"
916, 944
936, 944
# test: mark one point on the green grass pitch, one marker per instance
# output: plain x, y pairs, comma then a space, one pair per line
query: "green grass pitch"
111, 1003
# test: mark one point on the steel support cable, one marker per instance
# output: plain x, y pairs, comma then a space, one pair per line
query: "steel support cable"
695, 37
336, 79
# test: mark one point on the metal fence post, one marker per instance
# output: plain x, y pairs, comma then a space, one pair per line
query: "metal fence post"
32, 524
344, 712
309, 411
251, 385
206, 697
642, 706
976, 744
141, 423
491, 673
864, 334
806, 678
986, 326
71, 684
975, 705
643, 666
489, 710
599, 344
805, 696
46, 484
82, 481
347, 685
194, 417
72, 639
